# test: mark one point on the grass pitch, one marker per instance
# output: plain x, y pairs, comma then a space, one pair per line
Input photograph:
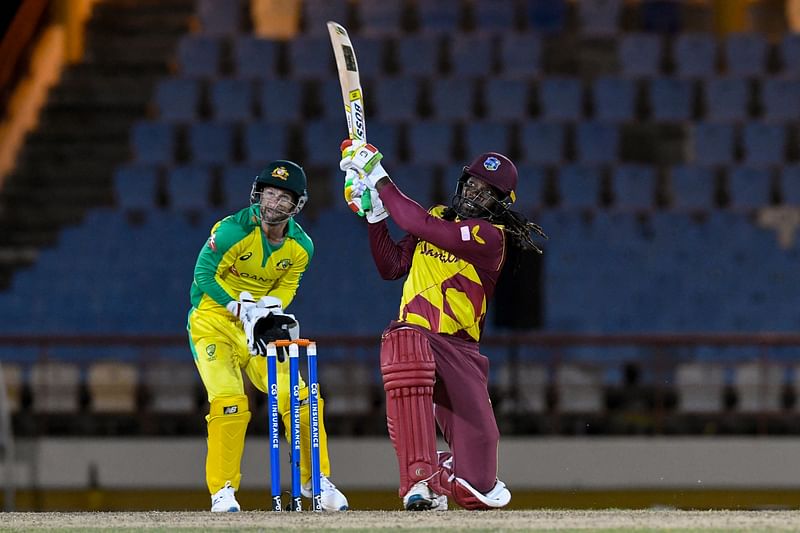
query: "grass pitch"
491, 521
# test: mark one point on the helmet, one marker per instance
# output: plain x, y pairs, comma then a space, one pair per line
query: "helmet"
497, 171
285, 175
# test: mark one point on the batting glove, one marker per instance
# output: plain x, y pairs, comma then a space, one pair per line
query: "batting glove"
365, 159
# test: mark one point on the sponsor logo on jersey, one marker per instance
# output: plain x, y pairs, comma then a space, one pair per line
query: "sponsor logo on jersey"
246, 256
475, 235
436, 253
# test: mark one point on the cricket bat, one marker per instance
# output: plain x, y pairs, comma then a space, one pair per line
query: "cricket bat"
350, 81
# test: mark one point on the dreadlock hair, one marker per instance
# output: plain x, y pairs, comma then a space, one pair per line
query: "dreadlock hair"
515, 225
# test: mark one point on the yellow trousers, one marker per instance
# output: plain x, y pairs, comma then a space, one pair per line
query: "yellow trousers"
220, 353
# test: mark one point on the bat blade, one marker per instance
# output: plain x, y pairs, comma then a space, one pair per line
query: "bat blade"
350, 81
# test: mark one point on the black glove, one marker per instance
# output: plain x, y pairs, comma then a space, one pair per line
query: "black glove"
271, 328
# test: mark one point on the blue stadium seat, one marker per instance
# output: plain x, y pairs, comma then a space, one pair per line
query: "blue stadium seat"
282, 100
153, 142
371, 52
493, 15
543, 142
545, 16
232, 99
418, 54
439, 16
265, 142
726, 99
316, 14
135, 186
692, 187
310, 57
596, 142
661, 16
322, 140
790, 185
764, 144
634, 186
330, 98
520, 54
380, 18
471, 54
486, 136
749, 187
561, 98
746, 54
599, 17
236, 184
221, 17
780, 99
640, 54
432, 142
189, 187
255, 58
396, 99
386, 136
198, 55
506, 99
579, 186
614, 99
695, 55
177, 99
210, 142
790, 54
530, 188
418, 182
670, 99
712, 143
453, 98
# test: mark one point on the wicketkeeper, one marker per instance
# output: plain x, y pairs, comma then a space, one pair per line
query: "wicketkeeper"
433, 371
246, 274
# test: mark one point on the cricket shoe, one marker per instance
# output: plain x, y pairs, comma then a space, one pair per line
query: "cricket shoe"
421, 498
469, 498
331, 497
224, 501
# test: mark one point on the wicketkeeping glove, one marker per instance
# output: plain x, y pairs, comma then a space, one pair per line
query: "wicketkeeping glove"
271, 328
239, 307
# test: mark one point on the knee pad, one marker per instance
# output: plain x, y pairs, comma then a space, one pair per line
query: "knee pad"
467, 497
409, 373
227, 425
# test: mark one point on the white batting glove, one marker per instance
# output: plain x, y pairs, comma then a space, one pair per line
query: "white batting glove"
378, 212
363, 158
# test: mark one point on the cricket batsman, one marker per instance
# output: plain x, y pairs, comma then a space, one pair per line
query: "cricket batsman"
249, 270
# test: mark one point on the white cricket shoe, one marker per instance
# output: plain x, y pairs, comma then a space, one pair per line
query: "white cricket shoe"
224, 501
421, 498
331, 497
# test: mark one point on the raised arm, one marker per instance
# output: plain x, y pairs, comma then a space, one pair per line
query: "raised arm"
392, 259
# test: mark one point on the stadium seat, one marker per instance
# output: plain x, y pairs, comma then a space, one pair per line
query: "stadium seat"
385, 136
634, 186
317, 13
494, 15
661, 16
380, 18
371, 55
232, 99
520, 54
596, 142
417, 181
135, 186
396, 99
745, 54
522, 387
695, 55
543, 142
790, 185
530, 188
506, 99
221, 17
265, 142
153, 142
432, 142
692, 187
614, 99
790, 54
177, 99
670, 99
55, 387
236, 183
13, 380
453, 98
189, 187
699, 387
750, 188
579, 389
322, 140
471, 54
726, 99
282, 100
349, 388
712, 143
112, 387
210, 142
170, 386
561, 98
419, 54
255, 58
310, 57
764, 144
639, 54
780, 100
579, 186
486, 136
439, 16
599, 18
198, 56
545, 16
759, 387
330, 98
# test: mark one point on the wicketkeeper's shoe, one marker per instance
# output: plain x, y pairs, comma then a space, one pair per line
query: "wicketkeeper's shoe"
421, 498
224, 501
331, 497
